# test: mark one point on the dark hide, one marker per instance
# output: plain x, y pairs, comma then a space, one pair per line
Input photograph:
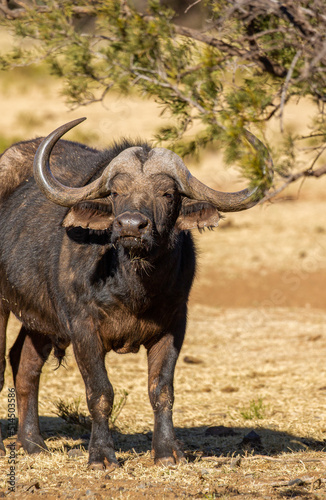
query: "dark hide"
109, 274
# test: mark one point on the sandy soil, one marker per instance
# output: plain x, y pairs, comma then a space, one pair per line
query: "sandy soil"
253, 358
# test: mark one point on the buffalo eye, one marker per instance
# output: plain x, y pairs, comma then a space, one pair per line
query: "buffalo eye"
168, 196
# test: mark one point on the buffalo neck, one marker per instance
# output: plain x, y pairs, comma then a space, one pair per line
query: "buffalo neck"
134, 281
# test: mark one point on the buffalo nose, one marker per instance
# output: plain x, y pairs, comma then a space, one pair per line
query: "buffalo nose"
131, 224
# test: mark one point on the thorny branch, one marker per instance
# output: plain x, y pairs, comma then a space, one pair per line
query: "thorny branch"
284, 40
310, 41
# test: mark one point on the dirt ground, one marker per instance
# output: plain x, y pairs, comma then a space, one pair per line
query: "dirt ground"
250, 384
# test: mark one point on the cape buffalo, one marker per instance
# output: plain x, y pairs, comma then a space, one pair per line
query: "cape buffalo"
97, 252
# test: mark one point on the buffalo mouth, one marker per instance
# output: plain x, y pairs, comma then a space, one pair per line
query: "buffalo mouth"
137, 244
130, 241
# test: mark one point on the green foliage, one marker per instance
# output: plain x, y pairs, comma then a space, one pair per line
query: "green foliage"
256, 409
235, 76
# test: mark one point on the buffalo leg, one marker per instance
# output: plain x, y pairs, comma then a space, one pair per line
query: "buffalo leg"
162, 358
27, 357
99, 395
4, 315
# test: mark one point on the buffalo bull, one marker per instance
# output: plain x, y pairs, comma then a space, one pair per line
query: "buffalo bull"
96, 251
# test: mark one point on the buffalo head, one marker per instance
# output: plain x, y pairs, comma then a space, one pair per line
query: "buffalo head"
141, 195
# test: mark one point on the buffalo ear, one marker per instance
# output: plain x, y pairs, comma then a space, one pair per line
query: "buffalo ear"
197, 215
89, 215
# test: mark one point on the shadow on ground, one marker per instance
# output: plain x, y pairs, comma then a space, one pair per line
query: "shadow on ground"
197, 441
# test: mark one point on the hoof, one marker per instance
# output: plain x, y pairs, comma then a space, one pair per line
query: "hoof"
96, 466
32, 448
111, 466
105, 465
165, 461
2, 452
18, 445
168, 461
176, 458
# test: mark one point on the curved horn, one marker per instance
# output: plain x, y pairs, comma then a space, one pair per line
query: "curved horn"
239, 200
191, 187
162, 160
51, 187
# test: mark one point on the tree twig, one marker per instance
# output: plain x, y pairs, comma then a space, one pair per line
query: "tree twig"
286, 85
293, 178
191, 6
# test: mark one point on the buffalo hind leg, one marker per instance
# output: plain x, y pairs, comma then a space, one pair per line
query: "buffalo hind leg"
162, 358
27, 357
4, 315
99, 394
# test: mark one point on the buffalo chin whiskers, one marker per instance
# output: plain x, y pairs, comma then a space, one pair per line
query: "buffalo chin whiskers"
140, 263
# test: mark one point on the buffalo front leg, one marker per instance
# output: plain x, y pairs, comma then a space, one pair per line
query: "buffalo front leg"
27, 357
99, 394
4, 315
162, 358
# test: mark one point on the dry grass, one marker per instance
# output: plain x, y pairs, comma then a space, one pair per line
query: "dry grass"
256, 338
242, 356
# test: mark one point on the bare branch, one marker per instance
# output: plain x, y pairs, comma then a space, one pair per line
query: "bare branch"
286, 85
293, 178
192, 5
